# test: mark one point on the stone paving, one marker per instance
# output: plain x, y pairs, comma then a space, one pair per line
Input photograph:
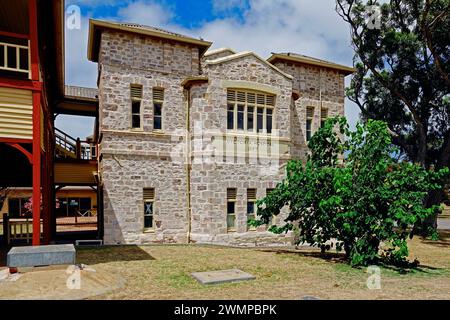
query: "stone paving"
222, 276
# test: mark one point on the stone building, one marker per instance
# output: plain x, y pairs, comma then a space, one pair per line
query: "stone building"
191, 138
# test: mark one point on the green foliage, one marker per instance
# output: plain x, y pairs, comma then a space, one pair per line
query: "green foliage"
403, 77
365, 201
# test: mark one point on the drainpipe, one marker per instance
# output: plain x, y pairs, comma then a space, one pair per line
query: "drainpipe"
320, 91
187, 164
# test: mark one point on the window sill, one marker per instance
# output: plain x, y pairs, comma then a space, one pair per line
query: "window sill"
136, 130
161, 132
149, 231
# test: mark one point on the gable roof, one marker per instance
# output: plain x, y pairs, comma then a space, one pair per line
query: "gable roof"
96, 27
294, 57
246, 54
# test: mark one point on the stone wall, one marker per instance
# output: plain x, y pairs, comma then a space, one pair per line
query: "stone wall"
132, 160
318, 88
209, 181
136, 159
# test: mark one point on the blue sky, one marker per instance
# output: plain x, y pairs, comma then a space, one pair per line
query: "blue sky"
308, 27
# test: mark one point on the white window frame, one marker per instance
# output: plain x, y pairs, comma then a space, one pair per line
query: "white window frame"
246, 104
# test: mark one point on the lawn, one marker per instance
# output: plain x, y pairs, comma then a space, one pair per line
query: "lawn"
163, 272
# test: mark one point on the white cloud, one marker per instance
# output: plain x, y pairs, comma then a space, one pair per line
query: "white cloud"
226, 5
147, 13
308, 27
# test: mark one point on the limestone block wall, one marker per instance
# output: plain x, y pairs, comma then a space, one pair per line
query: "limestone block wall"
131, 159
318, 88
209, 181
124, 177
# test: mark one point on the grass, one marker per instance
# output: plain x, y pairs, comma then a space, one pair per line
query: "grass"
163, 272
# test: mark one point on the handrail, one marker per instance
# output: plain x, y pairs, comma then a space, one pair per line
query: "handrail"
4, 65
66, 135
82, 150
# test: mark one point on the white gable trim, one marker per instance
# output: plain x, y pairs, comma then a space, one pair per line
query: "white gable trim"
216, 51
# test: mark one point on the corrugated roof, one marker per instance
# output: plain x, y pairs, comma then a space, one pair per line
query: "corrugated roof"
81, 92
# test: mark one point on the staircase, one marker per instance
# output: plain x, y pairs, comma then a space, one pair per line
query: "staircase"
68, 147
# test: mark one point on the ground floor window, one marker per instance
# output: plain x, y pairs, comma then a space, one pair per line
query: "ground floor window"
149, 205
231, 209
269, 191
309, 122
71, 207
16, 207
251, 207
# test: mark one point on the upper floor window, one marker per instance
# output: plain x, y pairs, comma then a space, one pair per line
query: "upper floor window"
309, 122
250, 111
323, 116
136, 106
158, 101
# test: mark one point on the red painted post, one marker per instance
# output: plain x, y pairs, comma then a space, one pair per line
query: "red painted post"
36, 169
34, 54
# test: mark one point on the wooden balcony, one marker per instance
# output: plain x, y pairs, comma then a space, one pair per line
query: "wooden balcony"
15, 58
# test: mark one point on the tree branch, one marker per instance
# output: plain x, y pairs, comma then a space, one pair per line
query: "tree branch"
427, 35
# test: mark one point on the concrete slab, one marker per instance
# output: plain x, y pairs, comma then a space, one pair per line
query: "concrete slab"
222, 276
20, 257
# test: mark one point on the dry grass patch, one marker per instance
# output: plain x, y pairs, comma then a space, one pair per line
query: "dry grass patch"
163, 272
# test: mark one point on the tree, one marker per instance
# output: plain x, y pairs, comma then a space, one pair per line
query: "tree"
365, 203
403, 65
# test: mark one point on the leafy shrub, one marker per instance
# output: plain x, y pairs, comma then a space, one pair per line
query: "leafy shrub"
353, 191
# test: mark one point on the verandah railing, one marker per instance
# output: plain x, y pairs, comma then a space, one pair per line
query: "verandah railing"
75, 148
15, 58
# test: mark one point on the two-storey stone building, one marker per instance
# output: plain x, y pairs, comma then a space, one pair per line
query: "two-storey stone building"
191, 138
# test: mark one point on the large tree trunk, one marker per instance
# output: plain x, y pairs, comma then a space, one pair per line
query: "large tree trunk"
430, 224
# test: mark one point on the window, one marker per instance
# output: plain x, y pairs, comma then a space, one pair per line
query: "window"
309, 122
149, 204
269, 191
16, 207
244, 108
158, 100
251, 206
136, 106
323, 116
231, 209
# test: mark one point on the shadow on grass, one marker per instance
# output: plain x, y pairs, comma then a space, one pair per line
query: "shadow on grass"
443, 242
106, 254
340, 259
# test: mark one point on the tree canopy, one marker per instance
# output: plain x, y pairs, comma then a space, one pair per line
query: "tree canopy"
365, 203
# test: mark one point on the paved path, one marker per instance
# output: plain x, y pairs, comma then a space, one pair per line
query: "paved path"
444, 224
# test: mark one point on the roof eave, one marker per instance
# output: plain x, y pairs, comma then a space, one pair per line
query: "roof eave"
341, 68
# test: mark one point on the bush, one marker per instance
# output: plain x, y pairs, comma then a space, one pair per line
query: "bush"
355, 193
